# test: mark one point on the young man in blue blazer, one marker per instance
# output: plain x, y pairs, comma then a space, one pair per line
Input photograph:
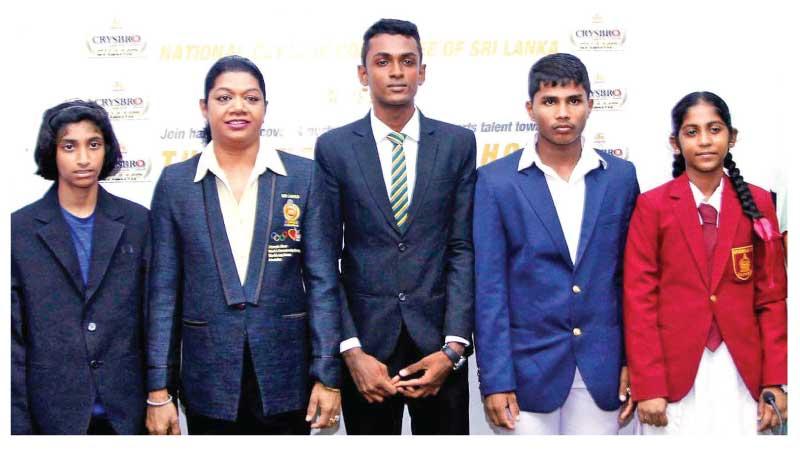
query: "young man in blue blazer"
548, 258
402, 186
79, 259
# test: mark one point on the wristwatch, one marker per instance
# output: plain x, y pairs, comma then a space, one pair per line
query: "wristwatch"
457, 360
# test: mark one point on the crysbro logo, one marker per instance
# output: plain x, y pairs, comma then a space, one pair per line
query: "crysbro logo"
131, 168
600, 143
598, 36
115, 43
122, 106
609, 99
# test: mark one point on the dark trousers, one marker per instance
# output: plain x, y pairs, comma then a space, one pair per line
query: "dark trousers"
250, 418
100, 426
445, 413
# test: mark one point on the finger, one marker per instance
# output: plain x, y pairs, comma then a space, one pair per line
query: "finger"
625, 411
323, 419
507, 419
385, 387
513, 406
312, 406
395, 379
413, 368
494, 416
662, 419
175, 429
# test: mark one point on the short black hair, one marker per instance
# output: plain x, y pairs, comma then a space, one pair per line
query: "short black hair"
56, 119
558, 69
232, 63
390, 26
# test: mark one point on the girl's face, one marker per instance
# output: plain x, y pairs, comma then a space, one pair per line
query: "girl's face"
703, 139
80, 151
235, 109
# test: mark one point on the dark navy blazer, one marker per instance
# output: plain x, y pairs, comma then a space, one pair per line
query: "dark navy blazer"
70, 343
530, 297
291, 320
422, 276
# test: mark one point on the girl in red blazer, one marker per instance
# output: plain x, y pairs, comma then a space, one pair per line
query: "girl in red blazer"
705, 288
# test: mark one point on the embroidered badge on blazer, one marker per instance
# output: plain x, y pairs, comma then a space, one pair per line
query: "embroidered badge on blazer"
742, 258
291, 214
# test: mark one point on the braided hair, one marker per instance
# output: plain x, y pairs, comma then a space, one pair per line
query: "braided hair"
679, 163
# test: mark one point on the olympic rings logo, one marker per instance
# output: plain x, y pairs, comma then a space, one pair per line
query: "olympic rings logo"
292, 233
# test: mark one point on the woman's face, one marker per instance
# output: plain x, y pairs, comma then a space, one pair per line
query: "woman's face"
235, 109
704, 139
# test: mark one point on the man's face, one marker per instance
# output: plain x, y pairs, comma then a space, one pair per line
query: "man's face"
560, 112
393, 70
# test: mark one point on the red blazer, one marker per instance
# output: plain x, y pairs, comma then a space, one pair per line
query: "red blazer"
669, 300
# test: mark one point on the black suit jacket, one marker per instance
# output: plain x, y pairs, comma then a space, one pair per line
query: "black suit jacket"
59, 362
422, 276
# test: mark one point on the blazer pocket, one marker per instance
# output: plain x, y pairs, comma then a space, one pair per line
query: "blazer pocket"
299, 315
195, 323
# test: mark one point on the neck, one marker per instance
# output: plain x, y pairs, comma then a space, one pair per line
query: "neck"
707, 182
79, 202
395, 117
235, 155
562, 158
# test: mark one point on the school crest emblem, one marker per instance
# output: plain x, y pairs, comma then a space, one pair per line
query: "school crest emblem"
742, 258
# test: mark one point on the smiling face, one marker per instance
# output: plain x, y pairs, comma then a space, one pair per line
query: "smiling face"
80, 150
393, 71
560, 113
703, 139
235, 109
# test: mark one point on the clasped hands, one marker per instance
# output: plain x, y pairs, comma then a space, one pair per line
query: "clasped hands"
373, 381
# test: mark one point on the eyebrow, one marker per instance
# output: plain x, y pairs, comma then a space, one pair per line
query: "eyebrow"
223, 88
387, 54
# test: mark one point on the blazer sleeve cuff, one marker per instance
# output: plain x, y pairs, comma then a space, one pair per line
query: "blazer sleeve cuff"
327, 370
157, 378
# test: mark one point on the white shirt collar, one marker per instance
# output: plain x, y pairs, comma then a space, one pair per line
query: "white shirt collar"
714, 200
588, 161
380, 130
267, 158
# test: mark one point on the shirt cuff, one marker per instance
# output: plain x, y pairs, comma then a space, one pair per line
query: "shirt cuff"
460, 340
347, 344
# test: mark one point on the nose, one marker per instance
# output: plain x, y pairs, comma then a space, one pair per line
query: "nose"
704, 138
563, 111
395, 70
238, 104
82, 156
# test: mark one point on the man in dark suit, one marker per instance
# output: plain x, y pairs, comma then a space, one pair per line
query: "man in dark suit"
78, 267
402, 187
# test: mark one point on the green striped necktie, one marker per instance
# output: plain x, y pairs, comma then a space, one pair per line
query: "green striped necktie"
398, 196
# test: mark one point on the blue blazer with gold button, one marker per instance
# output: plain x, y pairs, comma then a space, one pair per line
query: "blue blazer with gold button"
196, 333
538, 316
71, 343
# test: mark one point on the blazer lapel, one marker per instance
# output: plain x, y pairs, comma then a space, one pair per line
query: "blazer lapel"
685, 210
263, 226
366, 154
535, 190
56, 235
106, 235
596, 186
729, 218
226, 267
427, 151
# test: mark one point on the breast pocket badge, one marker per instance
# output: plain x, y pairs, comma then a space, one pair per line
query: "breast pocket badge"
742, 258
291, 214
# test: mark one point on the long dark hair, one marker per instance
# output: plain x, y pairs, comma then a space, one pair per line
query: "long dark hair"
679, 164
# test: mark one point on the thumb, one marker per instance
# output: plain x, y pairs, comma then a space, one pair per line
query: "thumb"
313, 402
413, 368
513, 406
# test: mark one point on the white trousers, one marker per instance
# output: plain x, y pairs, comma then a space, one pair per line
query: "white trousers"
718, 403
578, 415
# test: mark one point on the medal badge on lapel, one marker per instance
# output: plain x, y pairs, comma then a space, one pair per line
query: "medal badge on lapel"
742, 258
291, 214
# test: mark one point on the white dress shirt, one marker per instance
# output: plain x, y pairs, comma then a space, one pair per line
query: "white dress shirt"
715, 199
239, 217
380, 131
568, 196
